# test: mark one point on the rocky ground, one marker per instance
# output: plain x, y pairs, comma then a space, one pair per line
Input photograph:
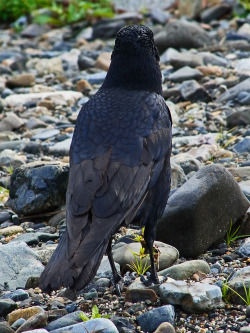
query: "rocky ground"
46, 76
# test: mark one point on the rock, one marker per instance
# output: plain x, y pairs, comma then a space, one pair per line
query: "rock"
240, 279
16, 296
165, 328
238, 118
244, 97
33, 123
103, 61
37, 320
178, 177
85, 62
99, 324
193, 91
233, 92
11, 122
209, 58
159, 16
174, 110
46, 134
122, 254
24, 313
46, 66
243, 146
140, 295
190, 8
181, 59
12, 230
70, 97
104, 269
242, 66
5, 328
22, 80
189, 223
38, 330
45, 252
65, 321
96, 78
33, 30
186, 270
182, 34
244, 249
215, 12
203, 153
9, 158
18, 263
38, 187
185, 73
83, 86
107, 28
7, 306
61, 148
151, 320
187, 162
210, 70
192, 296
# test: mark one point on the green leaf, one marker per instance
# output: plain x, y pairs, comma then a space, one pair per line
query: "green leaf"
95, 312
83, 316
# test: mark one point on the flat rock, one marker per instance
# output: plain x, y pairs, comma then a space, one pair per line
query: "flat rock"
11, 122
193, 91
18, 263
186, 270
187, 162
193, 297
243, 146
189, 223
65, 321
185, 73
233, 92
22, 80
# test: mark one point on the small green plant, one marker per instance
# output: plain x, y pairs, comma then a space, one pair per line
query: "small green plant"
232, 235
227, 297
4, 194
95, 314
138, 266
9, 169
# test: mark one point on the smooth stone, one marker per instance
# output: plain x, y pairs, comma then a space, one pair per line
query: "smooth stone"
96, 78
140, 295
18, 263
243, 146
65, 321
187, 162
104, 269
190, 8
99, 324
11, 122
188, 222
215, 12
233, 92
70, 97
178, 177
193, 297
239, 281
181, 59
193, 91
5, 328
242, 66
7, 306
12, 230
22, 80
203, 153
9, 158
61, 148
165, 328
38, 319
244, 249
122, 254
44, 135
186, 270
185, 73
85, 62
17, 295
209, 58
238, 118
151, 320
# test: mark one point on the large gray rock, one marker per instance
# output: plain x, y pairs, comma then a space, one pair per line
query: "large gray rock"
185, 73
239, 284
193, 297
233, 92
38, 187
200, 212
182, 34
18, 263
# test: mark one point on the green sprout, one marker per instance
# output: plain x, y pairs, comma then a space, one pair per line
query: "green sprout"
232, 235
95, 314
227, 297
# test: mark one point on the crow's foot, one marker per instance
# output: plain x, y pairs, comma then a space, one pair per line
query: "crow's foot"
150, 280
118, 284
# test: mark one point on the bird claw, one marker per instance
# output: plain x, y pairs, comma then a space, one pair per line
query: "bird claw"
118, 285
150, 280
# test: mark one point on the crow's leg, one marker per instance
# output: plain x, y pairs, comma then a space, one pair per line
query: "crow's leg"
116, 276
149, 237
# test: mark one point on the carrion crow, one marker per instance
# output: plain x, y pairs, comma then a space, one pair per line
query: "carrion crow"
119, 163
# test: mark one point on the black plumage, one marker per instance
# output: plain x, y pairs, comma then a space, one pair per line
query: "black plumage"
119, 163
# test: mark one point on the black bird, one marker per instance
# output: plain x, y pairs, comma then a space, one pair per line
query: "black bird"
119, 163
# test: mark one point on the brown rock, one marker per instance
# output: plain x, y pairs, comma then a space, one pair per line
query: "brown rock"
165, 328
103, 61
47, 103
139, 295
23, 80
210, 70
12, 230
23, 313
37, 321
83, 85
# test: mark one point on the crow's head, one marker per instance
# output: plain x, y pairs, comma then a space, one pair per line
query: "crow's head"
135, 40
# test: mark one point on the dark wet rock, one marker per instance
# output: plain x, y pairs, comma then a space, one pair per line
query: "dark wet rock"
243, 146
215, 12
18, 263
107, 28
193, 91
185, 270
7, 306
32, 282
69, 319
185, 73
38, 187
233, 92
5, 215
193, 297
151, 320
16, 296
189, 223
85, 62
32, 148
122, 323
182, 34
140, 295
238, 118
